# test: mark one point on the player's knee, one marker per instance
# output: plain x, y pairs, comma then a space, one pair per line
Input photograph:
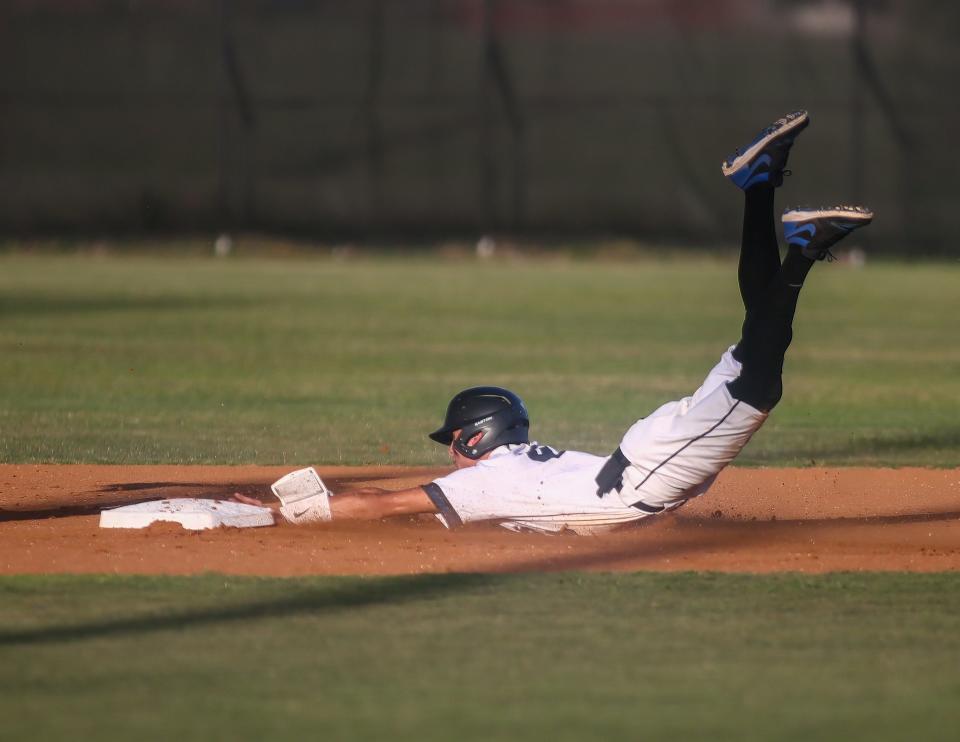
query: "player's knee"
762, 395
774, 395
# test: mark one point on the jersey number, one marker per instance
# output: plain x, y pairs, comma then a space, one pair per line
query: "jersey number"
544, 453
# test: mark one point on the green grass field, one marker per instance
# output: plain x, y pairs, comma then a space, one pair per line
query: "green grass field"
460, 657
185, 359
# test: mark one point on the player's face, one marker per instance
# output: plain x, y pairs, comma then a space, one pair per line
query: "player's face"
459, 460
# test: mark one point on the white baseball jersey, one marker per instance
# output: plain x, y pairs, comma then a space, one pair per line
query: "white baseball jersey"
675, 453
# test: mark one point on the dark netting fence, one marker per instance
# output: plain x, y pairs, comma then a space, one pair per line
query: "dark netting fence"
412, 119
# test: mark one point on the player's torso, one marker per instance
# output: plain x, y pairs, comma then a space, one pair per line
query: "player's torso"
542, 488
535, 468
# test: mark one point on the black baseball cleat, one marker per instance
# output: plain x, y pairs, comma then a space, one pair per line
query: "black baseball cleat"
816, 229
765, 158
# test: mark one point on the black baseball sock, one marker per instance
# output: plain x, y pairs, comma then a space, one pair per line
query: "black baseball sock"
795, 267
767, 332
759, 251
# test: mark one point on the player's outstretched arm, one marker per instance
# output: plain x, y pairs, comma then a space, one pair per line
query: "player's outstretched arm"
369, 503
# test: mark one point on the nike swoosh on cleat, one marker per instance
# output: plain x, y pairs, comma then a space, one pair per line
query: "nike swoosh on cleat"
743, 178
798, 233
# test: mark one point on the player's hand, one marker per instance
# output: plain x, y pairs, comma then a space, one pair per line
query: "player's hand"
247, 500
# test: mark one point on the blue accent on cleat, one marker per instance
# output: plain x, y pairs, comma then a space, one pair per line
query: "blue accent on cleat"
765, 158
794, 233
814, 230
752, 175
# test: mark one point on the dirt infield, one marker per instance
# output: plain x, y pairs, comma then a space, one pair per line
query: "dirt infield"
753, 520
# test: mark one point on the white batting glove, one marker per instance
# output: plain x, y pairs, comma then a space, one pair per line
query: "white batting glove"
304, 498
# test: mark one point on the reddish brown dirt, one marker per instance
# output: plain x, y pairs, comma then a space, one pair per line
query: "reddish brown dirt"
753, 520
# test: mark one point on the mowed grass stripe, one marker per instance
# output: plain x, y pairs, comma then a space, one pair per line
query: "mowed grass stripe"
440, 657
189, 360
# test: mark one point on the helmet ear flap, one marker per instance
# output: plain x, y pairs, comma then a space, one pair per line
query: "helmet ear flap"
468, 441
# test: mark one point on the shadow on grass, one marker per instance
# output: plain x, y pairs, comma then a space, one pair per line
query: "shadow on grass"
359, 594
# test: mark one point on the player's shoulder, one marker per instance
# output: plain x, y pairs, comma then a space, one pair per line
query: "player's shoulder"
531, 454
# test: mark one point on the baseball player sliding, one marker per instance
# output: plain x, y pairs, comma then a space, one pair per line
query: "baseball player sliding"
664, 459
